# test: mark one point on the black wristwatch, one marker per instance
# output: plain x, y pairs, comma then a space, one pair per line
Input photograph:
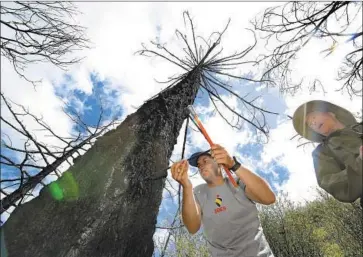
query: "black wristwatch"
236, 165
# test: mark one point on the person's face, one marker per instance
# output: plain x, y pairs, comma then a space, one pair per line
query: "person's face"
321, 122
208, 168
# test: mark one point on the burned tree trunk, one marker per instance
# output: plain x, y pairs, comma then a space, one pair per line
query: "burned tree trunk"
105, 205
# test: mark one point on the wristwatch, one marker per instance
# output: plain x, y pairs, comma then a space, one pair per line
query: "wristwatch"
236, 165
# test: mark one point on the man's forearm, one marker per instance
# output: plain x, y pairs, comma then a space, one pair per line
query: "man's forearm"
256, 187
190, 213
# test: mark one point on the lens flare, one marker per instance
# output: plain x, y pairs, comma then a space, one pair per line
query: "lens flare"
65, 188
56, 191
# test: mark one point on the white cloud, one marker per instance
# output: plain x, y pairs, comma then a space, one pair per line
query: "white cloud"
42, 102
117, 36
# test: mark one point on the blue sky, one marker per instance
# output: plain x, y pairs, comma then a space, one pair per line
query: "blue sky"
89, 104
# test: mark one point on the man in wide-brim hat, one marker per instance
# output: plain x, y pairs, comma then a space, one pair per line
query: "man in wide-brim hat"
338, 157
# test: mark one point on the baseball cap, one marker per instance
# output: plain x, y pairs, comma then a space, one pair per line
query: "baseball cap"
194, 157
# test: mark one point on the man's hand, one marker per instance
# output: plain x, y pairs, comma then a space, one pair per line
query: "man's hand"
221, 156
179, 172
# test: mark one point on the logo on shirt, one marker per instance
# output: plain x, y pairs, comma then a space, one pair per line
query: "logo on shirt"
219, 202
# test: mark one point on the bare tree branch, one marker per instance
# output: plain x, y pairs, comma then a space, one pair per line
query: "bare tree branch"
40, 32
207, 55
294, 24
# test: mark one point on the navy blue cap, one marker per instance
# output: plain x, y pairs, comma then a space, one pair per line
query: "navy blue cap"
193, 160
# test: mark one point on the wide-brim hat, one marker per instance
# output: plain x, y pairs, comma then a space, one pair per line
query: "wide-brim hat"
299, 118
193, 159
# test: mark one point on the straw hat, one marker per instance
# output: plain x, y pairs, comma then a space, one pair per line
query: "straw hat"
299, 118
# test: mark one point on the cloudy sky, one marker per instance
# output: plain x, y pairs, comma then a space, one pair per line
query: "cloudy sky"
126, 80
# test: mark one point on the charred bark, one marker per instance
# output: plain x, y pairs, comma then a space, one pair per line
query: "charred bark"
107, 207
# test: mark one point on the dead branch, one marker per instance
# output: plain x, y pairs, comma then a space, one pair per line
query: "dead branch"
40, 32
292, 26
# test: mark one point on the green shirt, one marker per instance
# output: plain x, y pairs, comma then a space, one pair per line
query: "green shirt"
338, 166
